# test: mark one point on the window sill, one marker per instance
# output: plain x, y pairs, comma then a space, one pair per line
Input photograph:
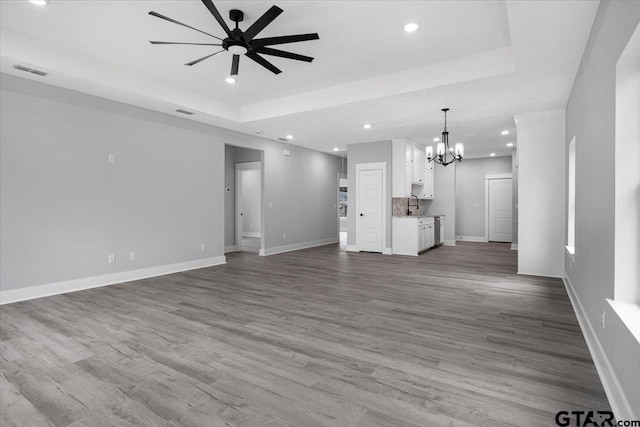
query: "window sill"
571, 251
629, 313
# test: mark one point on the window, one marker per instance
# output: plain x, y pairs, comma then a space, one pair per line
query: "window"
571, 208
626, 301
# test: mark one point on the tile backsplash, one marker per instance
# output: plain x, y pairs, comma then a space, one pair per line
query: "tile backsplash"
399, 207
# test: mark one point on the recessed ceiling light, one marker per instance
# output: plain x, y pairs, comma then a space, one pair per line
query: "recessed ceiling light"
230, 80
505, 132
509, 144
492, 154
336, 149
40, 2
411, 27
367, 126
436, 139
289, 136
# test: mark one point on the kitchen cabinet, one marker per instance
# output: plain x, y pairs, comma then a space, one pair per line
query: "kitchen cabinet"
412, 235
419, 159
410, 170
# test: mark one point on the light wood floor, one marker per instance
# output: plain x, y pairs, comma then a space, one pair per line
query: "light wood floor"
313, 337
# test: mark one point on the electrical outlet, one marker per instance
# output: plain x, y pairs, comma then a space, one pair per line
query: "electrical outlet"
112, 259
112, 158
132, 256
284, 237
270, 205
603, 320
203, 247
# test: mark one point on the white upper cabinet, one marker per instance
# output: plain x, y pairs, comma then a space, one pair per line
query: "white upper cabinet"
419, 159
412, 173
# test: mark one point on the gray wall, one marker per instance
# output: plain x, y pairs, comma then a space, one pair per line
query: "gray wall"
470, 203
64, 208
444, 199
367, 153
591, 118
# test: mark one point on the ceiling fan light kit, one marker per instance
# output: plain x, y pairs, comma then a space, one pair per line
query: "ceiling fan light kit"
445, 155
238, 42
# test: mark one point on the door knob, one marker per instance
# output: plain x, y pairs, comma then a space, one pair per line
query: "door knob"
361, 214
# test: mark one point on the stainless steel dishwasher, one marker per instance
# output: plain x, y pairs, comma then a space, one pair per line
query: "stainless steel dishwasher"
439, 229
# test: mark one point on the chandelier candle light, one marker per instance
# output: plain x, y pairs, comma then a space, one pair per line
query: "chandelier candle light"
443, 151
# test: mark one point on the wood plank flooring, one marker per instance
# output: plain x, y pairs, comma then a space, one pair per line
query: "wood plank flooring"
318, 337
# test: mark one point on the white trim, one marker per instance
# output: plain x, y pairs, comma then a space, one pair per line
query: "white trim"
250, 234
387, 251
571, 253
49, 289
487, 178
248, 165
472, 238
514, 246
618, 401
351, 248
298, 246
368, 166
449, 243
232, 248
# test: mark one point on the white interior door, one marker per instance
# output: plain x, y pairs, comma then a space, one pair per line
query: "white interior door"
369, 209
500, 217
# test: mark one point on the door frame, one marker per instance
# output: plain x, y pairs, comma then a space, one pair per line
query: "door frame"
487, 178
238, 184
373, 166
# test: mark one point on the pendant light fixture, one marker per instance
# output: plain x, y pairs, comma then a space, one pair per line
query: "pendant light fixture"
444, 154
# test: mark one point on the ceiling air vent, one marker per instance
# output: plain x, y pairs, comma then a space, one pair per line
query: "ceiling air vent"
30, 70
181, 111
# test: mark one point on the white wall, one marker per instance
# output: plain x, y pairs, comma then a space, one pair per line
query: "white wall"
541, 197
64, 208
470, 194
591, 119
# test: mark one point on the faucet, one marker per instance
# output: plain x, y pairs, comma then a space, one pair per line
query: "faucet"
409, 205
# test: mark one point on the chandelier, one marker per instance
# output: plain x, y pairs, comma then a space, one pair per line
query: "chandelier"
444, 154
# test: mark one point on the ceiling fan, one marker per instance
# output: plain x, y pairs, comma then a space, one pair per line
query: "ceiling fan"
240, 42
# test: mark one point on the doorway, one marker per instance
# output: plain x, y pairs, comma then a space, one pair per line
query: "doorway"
342, 210
249, 206
370, 207
499, 202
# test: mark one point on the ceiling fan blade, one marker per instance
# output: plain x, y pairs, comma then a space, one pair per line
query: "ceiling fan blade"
214, 11
203, 58
166, 18
283, 54
266, 64
234, 65
195, 44
262, 22
270, 41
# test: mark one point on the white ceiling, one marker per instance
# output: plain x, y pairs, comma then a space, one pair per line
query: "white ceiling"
486, 60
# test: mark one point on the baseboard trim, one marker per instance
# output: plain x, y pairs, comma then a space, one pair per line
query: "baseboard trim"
514, 246
232, 248
39, 291
618, 401
449, 243
351, 248
298, 246
251, 234
387, 251
472, 239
